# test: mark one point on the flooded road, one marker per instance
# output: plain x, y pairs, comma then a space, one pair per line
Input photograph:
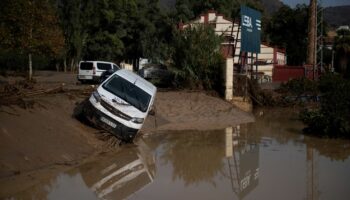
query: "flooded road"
267, 159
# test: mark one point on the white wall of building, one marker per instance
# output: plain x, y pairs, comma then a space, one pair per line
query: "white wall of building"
224, 27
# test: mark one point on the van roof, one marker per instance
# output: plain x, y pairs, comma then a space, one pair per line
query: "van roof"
96, 61
137, 80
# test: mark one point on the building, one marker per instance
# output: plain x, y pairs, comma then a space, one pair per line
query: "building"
268, 58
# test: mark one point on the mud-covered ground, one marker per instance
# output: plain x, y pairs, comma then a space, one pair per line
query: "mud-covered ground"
40, 136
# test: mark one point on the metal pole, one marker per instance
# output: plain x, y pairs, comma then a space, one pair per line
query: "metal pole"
332, 69
315, 44
256, 63
251, 64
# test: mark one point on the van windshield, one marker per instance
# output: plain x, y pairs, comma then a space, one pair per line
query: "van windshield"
128, 92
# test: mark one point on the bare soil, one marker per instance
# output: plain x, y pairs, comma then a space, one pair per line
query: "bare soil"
45, 137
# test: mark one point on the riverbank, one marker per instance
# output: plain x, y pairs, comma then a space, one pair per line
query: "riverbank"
45, 136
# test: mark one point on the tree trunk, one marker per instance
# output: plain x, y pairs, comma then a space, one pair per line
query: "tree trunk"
57, 66
65, 65
343, 64
72, 65
30, 75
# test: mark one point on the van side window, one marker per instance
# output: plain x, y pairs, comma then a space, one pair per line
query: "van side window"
103, 66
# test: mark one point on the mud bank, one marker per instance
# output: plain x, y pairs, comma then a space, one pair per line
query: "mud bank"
48, 134
46, 138
178, 111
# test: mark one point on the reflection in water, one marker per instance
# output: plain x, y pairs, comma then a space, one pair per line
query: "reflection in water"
115, 175
334, 149
242, 161
118, 178
268, 159
196, 158
203, 157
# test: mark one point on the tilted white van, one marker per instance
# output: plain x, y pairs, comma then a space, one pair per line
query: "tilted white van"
121, 104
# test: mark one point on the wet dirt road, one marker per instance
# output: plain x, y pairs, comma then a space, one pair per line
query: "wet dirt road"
267, 159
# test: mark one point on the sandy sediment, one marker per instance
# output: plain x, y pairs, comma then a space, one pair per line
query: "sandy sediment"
48, 136
193, 111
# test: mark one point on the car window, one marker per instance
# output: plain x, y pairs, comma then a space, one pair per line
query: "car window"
103, 66
86, 65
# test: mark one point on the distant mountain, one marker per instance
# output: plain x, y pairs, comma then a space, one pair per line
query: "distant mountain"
337, 16
272, 6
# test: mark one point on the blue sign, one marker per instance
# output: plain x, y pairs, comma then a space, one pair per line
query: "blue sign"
251, 29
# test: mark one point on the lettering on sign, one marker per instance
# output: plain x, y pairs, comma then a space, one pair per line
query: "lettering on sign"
247, 22
258, 24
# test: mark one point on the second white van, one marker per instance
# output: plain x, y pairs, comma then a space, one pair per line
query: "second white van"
92, 70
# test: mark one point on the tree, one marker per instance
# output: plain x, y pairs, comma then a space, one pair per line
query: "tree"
288, 29
106, 27
30, 27
153, 31
197, 57
188, 9
342, 50
72, 14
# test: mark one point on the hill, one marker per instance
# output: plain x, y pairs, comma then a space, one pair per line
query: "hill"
337, 16
271, 6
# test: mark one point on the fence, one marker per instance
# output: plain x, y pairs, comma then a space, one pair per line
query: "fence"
286, 73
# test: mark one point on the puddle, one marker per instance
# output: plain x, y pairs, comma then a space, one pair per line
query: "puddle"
267, 159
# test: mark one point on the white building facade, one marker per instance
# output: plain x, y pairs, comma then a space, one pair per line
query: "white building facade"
230, 48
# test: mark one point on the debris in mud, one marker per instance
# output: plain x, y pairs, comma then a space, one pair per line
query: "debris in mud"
20, 97
16, 88
21, 93
111, 140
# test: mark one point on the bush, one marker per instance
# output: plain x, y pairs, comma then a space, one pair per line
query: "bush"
332, 118
299, 86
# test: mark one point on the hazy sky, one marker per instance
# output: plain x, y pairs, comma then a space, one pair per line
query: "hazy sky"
325, 3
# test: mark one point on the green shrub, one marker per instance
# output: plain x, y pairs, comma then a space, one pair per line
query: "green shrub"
299, 86
332, 118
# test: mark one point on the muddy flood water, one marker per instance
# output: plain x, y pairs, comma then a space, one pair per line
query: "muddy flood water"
267, 159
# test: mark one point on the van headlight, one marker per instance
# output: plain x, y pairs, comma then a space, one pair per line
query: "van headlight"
97, 96
137, 120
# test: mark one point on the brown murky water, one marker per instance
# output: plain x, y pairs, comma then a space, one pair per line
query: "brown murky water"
268, 159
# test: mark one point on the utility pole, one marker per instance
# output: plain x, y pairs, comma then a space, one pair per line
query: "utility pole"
312, 36
319, 36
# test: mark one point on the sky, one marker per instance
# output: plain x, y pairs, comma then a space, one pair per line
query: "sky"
325, 3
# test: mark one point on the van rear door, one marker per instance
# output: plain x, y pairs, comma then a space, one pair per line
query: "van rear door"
86, 70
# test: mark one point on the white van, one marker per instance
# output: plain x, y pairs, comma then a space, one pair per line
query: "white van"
121, 104
92, 70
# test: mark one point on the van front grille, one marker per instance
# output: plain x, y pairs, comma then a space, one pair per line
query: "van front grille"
115, 111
